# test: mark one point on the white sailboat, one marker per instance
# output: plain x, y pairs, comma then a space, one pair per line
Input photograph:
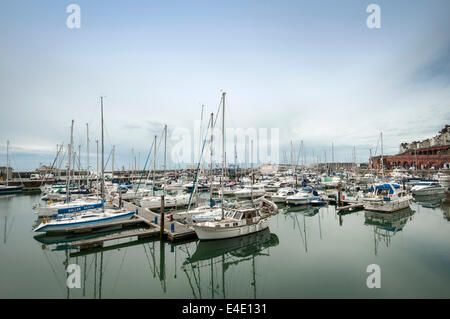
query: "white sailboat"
68, 221
235, 222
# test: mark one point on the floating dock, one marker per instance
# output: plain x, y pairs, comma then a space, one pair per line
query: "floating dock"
173, 230
180, 230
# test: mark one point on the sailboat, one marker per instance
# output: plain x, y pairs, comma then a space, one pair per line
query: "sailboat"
7, 189
67, 221
235, 222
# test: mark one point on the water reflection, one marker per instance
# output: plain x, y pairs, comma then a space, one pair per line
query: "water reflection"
446, 207
385, 226
430, 201
303, 212
225, 254
8, 221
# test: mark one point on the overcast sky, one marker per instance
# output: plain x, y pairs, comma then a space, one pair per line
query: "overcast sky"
312, 69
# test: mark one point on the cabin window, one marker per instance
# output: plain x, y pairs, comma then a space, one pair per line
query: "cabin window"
238, 215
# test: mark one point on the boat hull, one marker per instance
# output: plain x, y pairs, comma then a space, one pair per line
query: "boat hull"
387, 206
72, 226
429, 191
211, 233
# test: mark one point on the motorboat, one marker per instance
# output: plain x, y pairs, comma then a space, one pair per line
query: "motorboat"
249, 191
281, 195
237, 222
387, 197
427, 188
170, 201
303, 197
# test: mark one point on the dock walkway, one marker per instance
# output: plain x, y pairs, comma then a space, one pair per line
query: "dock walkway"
181, 231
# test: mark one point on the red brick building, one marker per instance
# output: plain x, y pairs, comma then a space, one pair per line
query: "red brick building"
429, 157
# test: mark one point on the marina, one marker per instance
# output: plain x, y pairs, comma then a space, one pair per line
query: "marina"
336, 249
236, 150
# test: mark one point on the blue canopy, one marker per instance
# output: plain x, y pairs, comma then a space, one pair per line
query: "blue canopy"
388, 186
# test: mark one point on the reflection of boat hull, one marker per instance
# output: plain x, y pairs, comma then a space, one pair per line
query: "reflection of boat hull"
60, 238
6, 190
391, 222
241, 246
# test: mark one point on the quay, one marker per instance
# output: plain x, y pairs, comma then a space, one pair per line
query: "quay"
173, 230
178, 232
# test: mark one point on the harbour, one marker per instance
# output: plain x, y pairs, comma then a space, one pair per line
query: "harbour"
252, 153
324, 250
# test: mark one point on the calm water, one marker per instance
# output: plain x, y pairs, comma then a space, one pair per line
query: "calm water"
305, 254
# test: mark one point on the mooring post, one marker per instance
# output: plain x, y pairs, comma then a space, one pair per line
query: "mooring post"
161, 227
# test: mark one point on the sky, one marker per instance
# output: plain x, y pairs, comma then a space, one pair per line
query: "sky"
313, 70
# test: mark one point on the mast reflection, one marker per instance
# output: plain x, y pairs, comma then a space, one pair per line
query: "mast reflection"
386, 225
225, 254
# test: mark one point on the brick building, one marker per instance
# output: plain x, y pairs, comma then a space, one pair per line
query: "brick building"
422, 158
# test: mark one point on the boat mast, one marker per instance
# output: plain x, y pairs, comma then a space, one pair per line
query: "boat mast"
112, 162
382, 165
87, 149
251, 170
79, 166
165, 158
103, 159
223, 148
68, 166
154, 168
211, 146
7, 162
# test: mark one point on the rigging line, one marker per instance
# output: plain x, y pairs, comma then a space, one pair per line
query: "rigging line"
145, 166
197, 170
299, 230
54, 272
11, 223
118, 273
54, 161
197, 283
148, 258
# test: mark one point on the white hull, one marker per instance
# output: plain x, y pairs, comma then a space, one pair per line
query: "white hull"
52, 209
169, 201
210, 233
93, 219
257, 193
387, 206
300, 201
429, 191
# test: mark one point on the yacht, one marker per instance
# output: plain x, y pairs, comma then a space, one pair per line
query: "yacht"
303, 197
282, 194
427, 188
170, 201
247, 192
237, 222
387, 197
73, 222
